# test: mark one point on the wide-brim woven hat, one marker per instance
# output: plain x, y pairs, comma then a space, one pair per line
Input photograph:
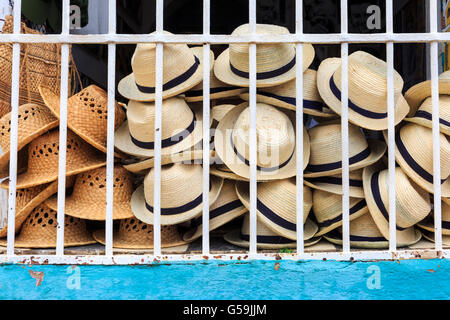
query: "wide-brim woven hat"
275, 62
412, 203
419, 92
227, 207
276, 141
222, 171
135, 234
326, 153
217, 88
327, 208
88, 199
266, 238
40, 228
182, 128
284, 96
182, 70
181, 194
430, 237
364, 234
367, 90
276, 206
333, 184
43, 159
33, 121
428, 224
87, 114
423, 115
414, 154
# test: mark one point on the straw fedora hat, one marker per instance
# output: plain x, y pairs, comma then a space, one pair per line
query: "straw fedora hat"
181, 128
424, 118
182, 70
412, 202
430, 237
226, 208
181, 194
428, 224
266, 238
365, 234
327, 208
43, 156
326, 153
88, 199
33, 121
217, 88
135, 234
276, 206
419, 92
414, 154
367, 90
275, 62
222, 171
284, 96
40, 228
87, 113
275, 148
446, 200
333, 183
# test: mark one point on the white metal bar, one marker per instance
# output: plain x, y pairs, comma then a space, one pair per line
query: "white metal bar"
253, 141
110, 130
299, 126
344, 133
14, 131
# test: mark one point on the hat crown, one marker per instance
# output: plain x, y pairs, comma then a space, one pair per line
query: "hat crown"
261, 229
367, 81
274, 133
176, 118
269, 57
24, 196
327, 205
444, 106
364, 226
227, 194
137, 232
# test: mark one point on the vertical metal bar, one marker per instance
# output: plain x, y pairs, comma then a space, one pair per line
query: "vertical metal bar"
299, 125
206, 134
391, 129
110, 136
158, 116
15, 77
344, 134
63, 130
253, 141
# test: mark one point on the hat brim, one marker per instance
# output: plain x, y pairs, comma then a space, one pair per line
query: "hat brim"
446, 200
428, 225
225, 174
217, 95
419, 92
429, 124
234, 237
142, 213
20, 241
223, 72
377, 150
430, 237
354, 192
326, 70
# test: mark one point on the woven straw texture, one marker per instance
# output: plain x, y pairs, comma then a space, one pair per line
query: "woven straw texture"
428, 224
444, 114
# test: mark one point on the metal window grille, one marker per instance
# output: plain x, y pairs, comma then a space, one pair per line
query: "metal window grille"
206, 39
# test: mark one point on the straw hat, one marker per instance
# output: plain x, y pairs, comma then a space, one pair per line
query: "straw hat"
40, 228
412, 203
275, 62
217, 88
428, 224
327, 208
446, 200
414, 154
88, 199
182, 70
135, 234
419, 92
266, 238
333, 183
367, 90
43, 156
222, 171
226, 208
181, 194
33, 121
181, 128
87, 113
326, 153
365, 234
275, 148
424, 118
430, 237
284, 96
276, 206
